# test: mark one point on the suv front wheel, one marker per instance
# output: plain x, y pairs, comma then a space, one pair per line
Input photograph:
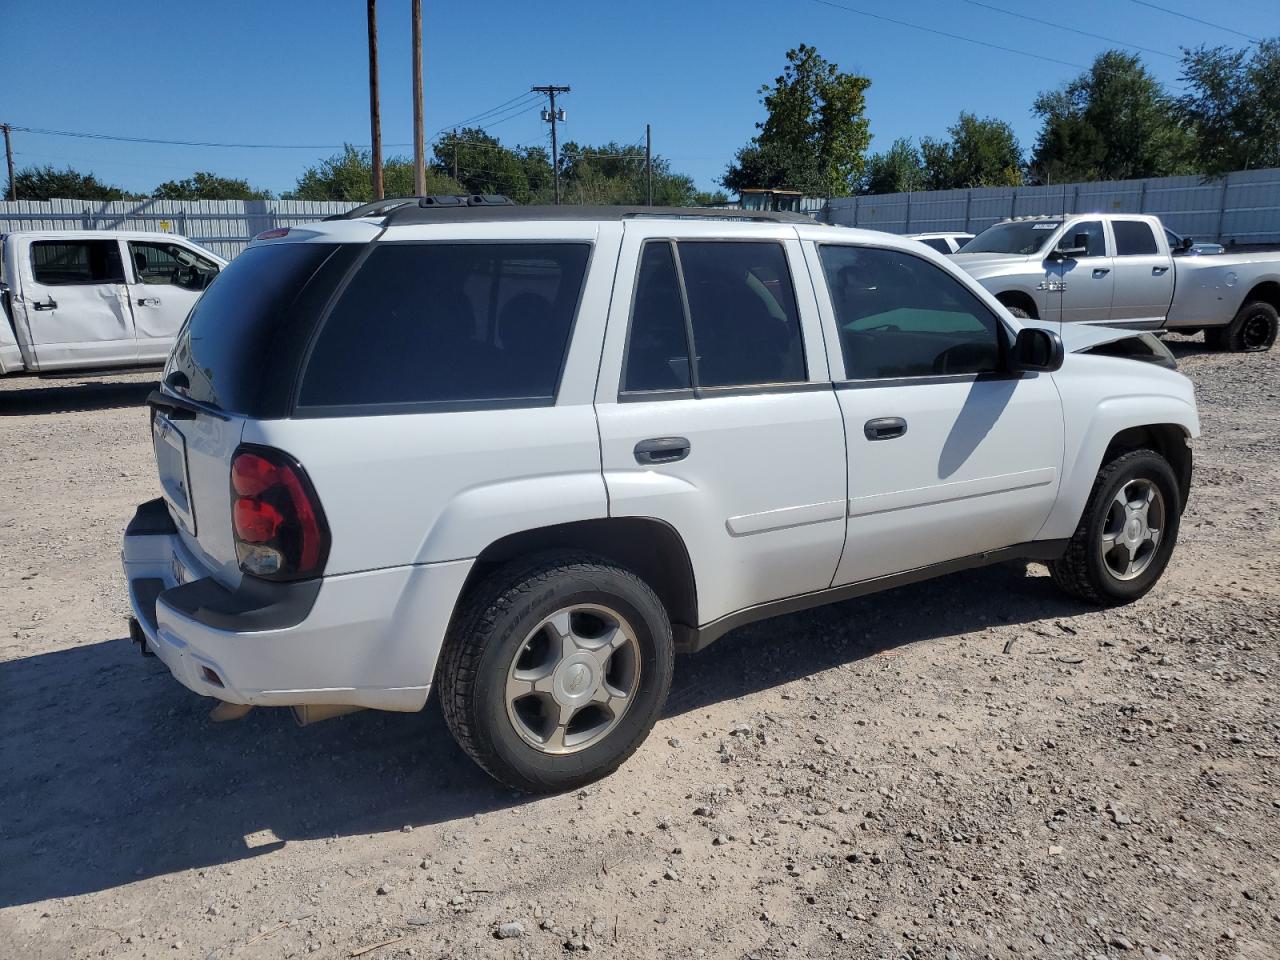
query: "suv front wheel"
555, 671
1127, 532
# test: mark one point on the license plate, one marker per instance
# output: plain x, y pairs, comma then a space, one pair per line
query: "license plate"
175, 479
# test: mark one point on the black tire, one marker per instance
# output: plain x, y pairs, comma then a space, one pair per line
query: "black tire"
1018, 312
1081, 570
1252, 330
489, 631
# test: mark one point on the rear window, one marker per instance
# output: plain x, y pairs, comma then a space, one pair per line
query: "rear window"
62, 263
448, 325
1134, 238
226, 348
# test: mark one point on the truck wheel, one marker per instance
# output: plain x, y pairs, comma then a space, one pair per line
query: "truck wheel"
1018, 312
1127, 532
555, 670
1252, 330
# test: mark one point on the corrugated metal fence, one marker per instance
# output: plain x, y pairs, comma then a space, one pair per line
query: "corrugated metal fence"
223, 226
1242, 207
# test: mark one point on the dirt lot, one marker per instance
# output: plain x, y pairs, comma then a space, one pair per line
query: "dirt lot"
975, 767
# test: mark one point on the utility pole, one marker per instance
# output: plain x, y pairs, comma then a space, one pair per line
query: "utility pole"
8, 159
553, 116
419, 144
455, 156
375, 112
648, 165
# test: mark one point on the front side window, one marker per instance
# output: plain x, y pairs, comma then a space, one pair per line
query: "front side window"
168, 264
1134, 238
449, 323
741, 312
64, 262
1087, 234
901, 316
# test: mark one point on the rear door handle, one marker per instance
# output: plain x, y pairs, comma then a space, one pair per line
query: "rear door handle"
50, 304
1100, 272
662, 450
884, 428
148, 301
1159, 271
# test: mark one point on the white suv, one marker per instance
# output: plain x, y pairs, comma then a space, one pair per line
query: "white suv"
524, 455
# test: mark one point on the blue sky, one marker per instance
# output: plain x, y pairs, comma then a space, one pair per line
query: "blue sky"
277, 72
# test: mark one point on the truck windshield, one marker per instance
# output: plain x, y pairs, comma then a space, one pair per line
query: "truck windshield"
1025, 237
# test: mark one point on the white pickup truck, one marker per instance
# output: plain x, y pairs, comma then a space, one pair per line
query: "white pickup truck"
1120, 270
96, 299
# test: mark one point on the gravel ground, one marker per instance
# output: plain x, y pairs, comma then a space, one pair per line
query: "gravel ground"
973, 767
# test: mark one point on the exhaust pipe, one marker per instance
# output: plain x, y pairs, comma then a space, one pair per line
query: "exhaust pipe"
229, 711
309, 713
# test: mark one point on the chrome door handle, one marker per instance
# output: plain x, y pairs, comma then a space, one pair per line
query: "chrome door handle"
1100, 272
884, 428
662, 450
148, 301
1159, 271
50, 304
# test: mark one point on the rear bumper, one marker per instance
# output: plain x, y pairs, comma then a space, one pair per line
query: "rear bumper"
366, 639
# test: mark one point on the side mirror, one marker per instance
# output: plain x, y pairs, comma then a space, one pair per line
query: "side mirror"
1036, 350
1079, 247
1186, 244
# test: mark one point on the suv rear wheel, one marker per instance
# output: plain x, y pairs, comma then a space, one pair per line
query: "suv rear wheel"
555, 670
1126, 534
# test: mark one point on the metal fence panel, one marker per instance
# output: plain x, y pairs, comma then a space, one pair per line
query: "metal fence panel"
223, 226
1241, 207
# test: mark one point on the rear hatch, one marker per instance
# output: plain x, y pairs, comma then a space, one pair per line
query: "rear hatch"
235, 359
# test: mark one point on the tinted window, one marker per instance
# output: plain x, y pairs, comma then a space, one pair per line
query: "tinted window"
57, 262
746, 329
225, 349
1134, 238
901, 316
938, 243
171, 265
1088, 235
449, 322
657, 345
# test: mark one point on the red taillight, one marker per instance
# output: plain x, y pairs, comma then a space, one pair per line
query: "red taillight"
279, 527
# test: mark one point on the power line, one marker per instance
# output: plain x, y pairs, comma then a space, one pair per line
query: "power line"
952, 36
186, 143
527, 96
1187, 16
1060, 26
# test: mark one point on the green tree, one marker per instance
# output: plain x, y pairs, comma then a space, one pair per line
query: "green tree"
349, 176
614, 173
815, 135
898, 170
1232, 106
484, 165
1113, 122
979, 153
48, 183
203, 185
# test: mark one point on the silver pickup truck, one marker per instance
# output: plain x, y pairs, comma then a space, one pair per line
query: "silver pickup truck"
1119, 270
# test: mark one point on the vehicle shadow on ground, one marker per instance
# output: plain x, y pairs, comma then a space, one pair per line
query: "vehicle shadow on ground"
1181, 347
73, 396
114, 773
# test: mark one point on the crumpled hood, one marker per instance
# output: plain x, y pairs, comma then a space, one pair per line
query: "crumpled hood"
979, 265
1077, 337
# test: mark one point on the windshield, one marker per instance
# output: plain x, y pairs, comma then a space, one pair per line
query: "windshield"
1024, 237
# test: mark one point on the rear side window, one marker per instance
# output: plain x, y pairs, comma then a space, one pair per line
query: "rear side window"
741, 312
1134, 238
901, 316
64, 262
229, 345
938, 243
449, 323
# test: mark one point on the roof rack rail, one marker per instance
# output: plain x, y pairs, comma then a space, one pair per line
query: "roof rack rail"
379, 208
489, 208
